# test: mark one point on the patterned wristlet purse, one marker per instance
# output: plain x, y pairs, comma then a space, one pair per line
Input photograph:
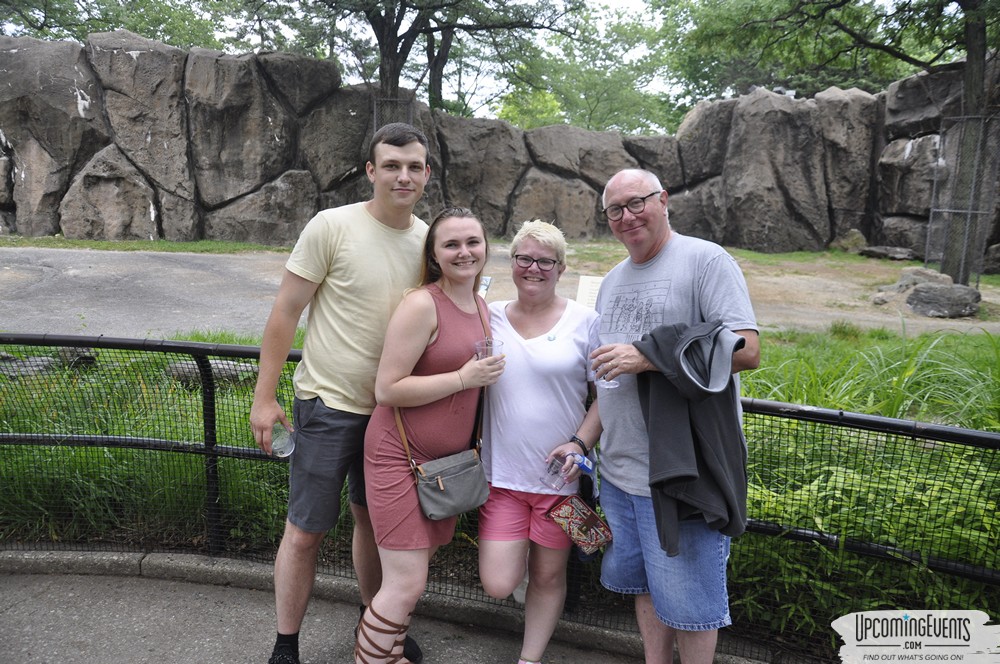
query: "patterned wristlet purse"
583, 525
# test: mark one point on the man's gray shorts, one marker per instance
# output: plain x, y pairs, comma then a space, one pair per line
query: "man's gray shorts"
329, 447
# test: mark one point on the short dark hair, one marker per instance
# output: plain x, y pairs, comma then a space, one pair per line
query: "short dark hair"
397, 134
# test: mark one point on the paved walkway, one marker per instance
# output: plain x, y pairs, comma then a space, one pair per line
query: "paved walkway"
116, 608
80, 608
150, 295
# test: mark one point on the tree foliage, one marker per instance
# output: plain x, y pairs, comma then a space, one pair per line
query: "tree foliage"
603, 77
441, 44
725, 47
401, 28
180, 23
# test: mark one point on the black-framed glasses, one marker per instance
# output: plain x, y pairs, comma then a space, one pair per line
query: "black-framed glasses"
544, 264
634, 205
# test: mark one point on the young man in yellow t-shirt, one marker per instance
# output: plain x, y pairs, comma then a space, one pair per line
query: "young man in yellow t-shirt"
350, 266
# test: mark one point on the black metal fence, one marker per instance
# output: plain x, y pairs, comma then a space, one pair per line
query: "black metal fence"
144, 446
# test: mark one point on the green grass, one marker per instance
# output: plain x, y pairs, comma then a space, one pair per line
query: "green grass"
804, 257
595, 256
945, 378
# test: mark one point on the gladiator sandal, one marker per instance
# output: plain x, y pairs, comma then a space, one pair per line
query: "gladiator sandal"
380, 655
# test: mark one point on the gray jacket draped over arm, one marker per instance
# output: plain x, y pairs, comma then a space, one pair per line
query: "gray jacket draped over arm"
697, 452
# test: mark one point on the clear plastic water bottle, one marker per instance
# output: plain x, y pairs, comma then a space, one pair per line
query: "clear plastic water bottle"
282, 442
553, 476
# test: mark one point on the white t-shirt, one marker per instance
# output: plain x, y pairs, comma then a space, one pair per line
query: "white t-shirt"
540, 400
362, 267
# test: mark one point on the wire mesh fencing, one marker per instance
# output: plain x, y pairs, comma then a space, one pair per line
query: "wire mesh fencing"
145, 446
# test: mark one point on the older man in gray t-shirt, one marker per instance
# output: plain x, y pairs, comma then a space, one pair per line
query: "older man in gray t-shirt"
668, 278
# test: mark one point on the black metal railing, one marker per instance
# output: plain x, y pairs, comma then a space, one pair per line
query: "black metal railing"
144, 445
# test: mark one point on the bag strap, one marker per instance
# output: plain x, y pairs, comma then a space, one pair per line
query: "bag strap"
477, 434
406, 444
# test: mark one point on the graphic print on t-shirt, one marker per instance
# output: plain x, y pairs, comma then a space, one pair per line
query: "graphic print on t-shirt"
634, 309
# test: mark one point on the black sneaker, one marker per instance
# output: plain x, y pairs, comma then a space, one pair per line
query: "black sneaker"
412, 651
283, 656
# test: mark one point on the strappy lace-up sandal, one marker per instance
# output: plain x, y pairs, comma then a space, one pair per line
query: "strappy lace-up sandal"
377, 654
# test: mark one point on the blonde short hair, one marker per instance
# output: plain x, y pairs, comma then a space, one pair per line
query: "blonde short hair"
546, 234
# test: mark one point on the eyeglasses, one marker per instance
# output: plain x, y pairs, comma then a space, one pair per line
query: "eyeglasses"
544, 264
634, 205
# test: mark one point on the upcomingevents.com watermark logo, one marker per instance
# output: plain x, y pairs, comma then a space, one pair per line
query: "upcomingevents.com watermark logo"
918, 636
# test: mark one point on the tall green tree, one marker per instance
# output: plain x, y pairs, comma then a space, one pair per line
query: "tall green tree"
470, 79
602, 77
400, 26
409, 43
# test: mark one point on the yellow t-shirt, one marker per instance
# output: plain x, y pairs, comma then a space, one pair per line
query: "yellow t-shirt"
362, 267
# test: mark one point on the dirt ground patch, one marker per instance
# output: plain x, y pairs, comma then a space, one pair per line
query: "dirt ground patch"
813, 295
803, 294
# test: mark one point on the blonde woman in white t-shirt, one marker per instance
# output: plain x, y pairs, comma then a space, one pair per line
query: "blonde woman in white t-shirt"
536, 412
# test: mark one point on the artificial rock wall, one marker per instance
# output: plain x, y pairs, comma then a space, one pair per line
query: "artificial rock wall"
127, 138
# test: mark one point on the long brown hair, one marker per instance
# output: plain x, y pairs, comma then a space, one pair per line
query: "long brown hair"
430, 271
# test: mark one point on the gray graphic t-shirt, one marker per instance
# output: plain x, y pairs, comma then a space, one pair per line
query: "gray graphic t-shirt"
689, 281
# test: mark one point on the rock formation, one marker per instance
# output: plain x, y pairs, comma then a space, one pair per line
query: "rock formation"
127, 138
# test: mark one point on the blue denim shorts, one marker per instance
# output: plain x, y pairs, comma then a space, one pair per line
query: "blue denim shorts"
688, 590
329, 448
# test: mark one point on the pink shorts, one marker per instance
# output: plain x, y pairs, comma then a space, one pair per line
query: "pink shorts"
510, 515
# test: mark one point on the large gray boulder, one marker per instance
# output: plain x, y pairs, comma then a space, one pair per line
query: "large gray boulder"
39, 184
51, 121
914, 106
850, 129
906, 170
944, 301
703, 138
484, 161
333, 137
275, 214
906, 232
241, 136
144, 98
109, 200
699, 212
301, 82
569, 204
774, 179
660, 155
592, 156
